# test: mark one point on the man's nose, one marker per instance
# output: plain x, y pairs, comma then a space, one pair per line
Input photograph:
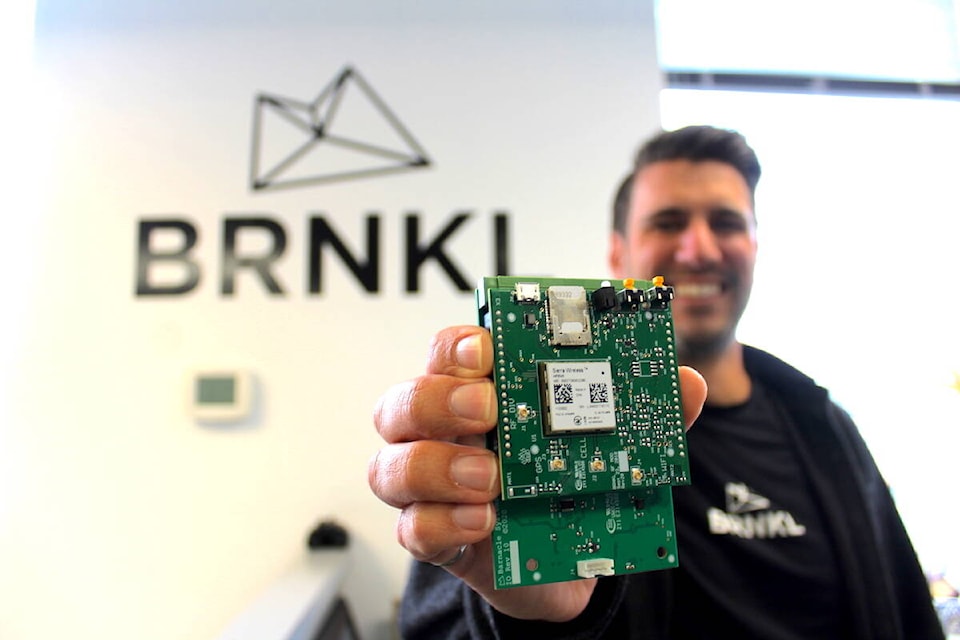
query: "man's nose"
698, 244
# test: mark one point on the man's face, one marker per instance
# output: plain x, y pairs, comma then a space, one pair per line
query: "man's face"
692, 223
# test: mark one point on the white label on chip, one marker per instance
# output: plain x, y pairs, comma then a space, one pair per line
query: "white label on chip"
579, 395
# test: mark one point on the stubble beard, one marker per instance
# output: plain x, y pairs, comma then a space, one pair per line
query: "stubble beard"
699, 348
696, 350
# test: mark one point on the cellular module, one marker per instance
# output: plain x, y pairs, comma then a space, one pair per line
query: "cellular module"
590, 435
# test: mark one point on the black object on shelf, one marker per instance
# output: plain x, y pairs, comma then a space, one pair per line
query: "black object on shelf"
327, 534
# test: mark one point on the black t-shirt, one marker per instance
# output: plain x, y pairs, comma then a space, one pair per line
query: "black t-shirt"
755, 557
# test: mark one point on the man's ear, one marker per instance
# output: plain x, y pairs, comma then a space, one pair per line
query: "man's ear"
616, 255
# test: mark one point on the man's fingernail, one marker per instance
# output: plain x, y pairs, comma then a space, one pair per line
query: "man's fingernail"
474, 471
472, 401
473, 516
469, 351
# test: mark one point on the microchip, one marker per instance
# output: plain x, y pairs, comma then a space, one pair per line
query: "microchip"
578, 397
604, 298
595, 567
527, 292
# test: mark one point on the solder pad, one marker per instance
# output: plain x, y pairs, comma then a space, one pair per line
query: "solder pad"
590, 434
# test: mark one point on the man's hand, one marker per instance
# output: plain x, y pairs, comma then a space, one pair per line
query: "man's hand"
436, 470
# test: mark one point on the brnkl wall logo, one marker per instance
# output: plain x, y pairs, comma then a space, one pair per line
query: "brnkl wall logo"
347, 132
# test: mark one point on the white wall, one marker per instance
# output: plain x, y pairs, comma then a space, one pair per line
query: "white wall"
120, 516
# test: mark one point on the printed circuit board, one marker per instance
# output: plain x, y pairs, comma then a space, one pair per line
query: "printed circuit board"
590, 435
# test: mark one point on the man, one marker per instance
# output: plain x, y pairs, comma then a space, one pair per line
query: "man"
787, 531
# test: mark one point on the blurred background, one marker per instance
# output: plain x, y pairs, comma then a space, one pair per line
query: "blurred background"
171, 217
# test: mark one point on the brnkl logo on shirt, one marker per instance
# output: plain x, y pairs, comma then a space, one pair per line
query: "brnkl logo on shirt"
748, 515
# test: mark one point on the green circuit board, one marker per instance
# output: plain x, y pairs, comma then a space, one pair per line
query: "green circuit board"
590, 435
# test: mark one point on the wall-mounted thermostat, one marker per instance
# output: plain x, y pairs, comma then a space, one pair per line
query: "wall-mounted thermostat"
221, 396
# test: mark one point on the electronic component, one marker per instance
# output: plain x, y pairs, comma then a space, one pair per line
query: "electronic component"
577, 396
590, 436
604, 298
569, 318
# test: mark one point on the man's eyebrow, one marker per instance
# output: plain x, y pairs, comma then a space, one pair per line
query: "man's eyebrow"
731, 211
671, 211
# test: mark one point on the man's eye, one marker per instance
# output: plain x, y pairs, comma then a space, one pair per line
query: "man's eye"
728, 224
669, 225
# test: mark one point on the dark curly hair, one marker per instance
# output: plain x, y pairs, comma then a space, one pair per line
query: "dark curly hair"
689, 143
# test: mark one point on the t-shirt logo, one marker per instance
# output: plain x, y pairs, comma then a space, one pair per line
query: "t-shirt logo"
741, 500
748, 515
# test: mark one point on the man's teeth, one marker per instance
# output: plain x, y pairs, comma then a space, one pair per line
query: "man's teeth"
697, 290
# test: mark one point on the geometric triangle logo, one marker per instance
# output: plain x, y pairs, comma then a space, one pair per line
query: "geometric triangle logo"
740, 499
346, 132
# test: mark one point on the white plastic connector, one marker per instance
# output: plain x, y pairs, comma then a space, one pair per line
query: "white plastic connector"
595, 567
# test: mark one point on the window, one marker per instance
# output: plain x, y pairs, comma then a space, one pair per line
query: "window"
908, 40
858, 217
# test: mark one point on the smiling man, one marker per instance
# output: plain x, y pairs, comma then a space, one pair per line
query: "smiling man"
788, 530
686, 212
